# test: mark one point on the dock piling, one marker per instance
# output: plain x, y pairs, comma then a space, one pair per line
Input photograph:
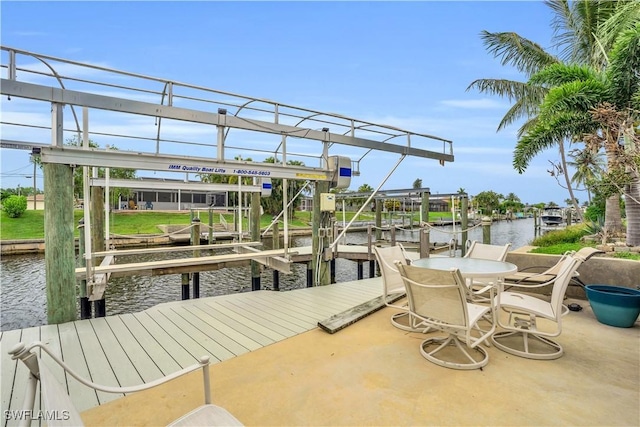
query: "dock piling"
195, 241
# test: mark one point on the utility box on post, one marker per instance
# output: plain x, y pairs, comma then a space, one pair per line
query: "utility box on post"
265, 185
341, 167
327, 202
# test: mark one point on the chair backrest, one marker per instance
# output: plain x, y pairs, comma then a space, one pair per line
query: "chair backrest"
584, 254
390, 276
566, 268
436, 294
587, 252
490, 252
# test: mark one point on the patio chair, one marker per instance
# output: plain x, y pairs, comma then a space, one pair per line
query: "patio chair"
393, 285
521, 336
526, 277
437, 299
486, 251
478, 288
55, 399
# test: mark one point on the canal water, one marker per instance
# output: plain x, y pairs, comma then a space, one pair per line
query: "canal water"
22, 277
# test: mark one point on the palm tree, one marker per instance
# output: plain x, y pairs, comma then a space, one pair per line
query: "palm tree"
417, 183
601, 108
588, 165
576, 26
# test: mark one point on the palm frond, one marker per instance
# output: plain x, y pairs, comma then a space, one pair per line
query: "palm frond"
546, 133
625, 17
624, 69
578, 96
558, 74
519, 52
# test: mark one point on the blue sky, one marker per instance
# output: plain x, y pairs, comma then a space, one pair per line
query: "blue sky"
404, 64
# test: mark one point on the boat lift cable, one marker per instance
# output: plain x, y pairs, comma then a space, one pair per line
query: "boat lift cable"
287, 207
366, 203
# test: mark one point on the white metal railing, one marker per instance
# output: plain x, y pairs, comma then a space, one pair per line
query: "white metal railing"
258, 114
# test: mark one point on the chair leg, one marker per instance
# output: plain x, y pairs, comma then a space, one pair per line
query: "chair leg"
452, 340
551, 349
407, 322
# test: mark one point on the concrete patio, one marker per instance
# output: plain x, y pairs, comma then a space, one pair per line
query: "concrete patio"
373, 374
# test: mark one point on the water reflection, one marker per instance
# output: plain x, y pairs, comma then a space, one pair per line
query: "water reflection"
23, 293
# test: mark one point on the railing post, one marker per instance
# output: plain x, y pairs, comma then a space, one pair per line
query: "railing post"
486, 230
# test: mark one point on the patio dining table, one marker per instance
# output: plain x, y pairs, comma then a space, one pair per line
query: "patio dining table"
469, 267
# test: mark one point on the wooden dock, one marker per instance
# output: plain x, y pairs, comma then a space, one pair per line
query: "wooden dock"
131, 349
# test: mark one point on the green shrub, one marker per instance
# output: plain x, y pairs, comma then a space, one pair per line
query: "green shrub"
558, 249
594, 212
571, 234
15, 206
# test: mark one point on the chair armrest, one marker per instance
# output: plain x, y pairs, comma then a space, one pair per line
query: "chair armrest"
20, 351
524, 284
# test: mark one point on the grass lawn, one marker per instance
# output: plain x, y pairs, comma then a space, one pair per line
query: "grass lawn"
31, 224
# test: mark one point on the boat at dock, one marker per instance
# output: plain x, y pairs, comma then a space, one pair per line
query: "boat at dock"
552, 215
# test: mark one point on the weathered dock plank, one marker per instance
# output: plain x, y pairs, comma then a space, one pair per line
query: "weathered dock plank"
145, 350
211, 330
121, 365
71, 351
178, 351
100, 369
194, 341
242, 318
229, 333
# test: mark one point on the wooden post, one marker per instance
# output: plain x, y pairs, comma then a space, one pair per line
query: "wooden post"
309, 275
486, 230
320, 265
58, 237
85, 304
185, 286
275, 244
569, 217
424, 242
424, 206
97, 238
332, 269
195, 241
210, 225
378, 219
392, 232
360, 270
255, 236
464, 222
372, 268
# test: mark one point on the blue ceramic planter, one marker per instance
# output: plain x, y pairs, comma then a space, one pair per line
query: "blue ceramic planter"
614, 305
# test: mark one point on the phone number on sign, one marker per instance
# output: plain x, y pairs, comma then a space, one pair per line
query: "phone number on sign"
250, 172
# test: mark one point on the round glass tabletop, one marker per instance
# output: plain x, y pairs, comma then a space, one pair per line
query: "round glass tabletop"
469, 267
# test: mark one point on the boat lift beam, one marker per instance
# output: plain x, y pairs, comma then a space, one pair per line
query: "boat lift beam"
174, 163
172, 185
102, 102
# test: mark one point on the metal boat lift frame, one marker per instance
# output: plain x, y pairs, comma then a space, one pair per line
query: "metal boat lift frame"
223, 111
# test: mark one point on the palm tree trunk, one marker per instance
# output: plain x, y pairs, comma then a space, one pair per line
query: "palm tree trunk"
632, 209
612, 212
563, 159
